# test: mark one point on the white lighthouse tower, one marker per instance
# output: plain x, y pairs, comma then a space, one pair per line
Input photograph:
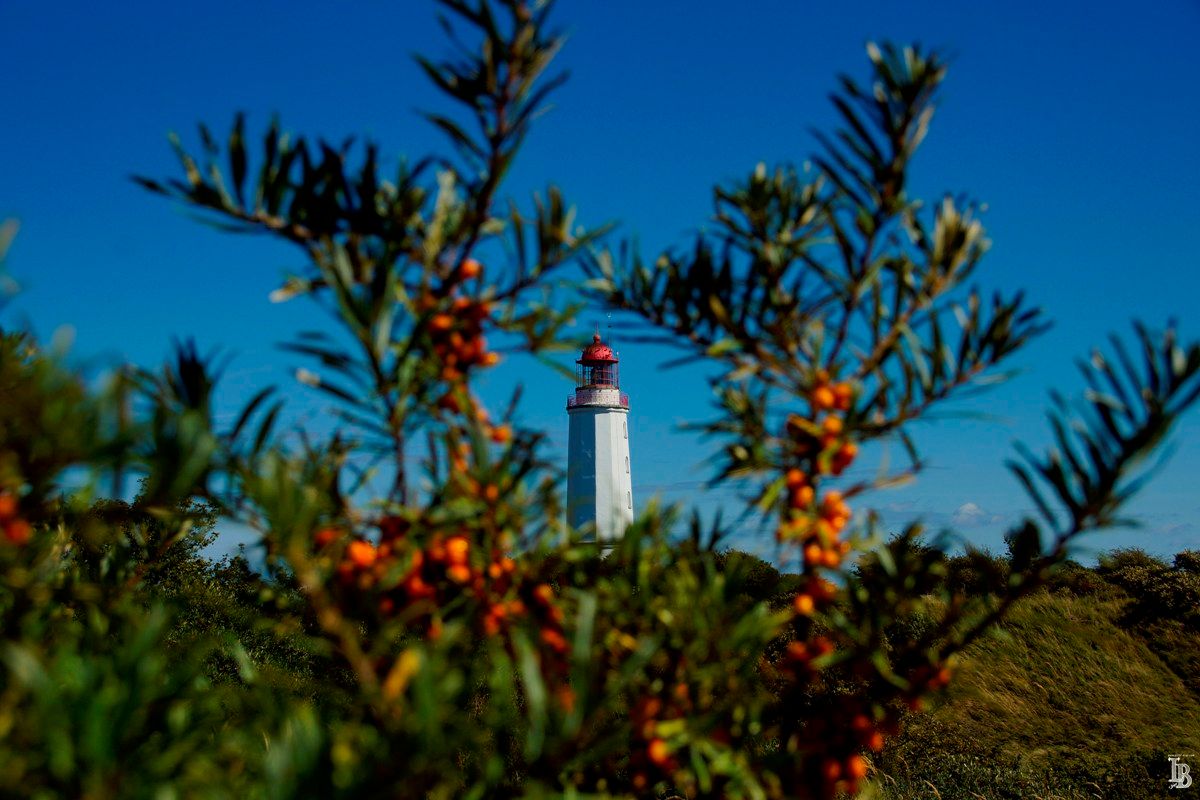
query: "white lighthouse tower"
599, 482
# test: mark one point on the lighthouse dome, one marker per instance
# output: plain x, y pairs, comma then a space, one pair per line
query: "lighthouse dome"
597, 351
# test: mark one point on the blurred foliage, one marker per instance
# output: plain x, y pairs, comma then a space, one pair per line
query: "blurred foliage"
423, 624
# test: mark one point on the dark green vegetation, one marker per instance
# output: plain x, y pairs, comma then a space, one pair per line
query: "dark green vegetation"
429, 628
1081, 692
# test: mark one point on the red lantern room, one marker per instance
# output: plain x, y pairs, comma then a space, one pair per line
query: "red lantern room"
597, 367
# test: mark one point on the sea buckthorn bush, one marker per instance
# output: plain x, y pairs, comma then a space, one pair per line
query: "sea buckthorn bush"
424, 624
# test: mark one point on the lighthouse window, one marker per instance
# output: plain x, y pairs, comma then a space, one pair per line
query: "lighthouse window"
625, 427
630, 496
626, 464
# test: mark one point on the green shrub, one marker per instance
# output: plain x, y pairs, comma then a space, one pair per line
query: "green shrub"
427, 627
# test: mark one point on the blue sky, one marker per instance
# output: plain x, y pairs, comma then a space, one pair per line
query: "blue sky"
1075, 121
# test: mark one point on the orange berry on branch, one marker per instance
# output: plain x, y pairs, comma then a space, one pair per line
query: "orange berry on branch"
361, 553
490, 359
843, 393
471, 269
491, 493
458, 549
801, 497
326, 536
8, 506
856, 767
554, 640
18, 531
804, 604
441, 322
795, 478
459, 573
501, 434
822, 397
659, 752
832, 425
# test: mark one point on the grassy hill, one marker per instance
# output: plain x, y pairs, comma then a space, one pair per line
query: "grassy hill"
1081, 694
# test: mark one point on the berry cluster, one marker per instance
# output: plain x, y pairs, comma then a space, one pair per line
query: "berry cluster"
405, 581
655, 757
457, 331
16, 530
814, 523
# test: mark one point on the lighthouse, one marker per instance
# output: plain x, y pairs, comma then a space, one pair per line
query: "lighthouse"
599, 481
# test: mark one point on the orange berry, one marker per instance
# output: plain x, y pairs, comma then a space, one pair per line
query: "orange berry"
822, 397
417, 588
441, 322
490, 359
495, 571
856, 767
459, 573
543, 594
361, 553
491, 493
326, 537
875, 741
18, 531
554, 640
795, 478
458, 549
832, 425
804, 604
802, 497
832, 558
659, 752
831, 770
813, 555
501, 434
471, 268
842, 395
822, 645
8, 506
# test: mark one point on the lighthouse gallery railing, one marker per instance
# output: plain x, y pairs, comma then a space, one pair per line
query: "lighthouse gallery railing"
587, 397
